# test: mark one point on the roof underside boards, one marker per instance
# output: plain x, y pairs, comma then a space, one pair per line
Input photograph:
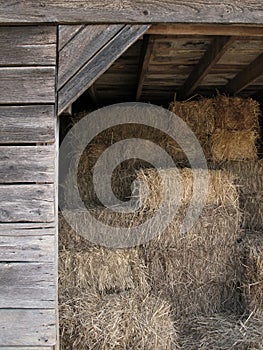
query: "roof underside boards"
174, 58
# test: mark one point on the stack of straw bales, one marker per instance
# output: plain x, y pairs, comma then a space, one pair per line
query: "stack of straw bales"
104, 296
227, 128
197, 270
179, 290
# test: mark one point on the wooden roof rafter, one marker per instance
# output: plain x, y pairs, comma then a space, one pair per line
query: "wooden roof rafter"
246, 77
214, 52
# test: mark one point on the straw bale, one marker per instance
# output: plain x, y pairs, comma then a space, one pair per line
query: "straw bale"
248, 175
102, 270
236, 113
252, 282
198, 270
68, 239
233, 145
252, 206
221, 189
222, 332
199, 115
126, 321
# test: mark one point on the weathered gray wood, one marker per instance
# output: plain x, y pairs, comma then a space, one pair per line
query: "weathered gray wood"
27, 285
66, 33
28, 327
131, 11
27, 85
82, 47
27, 229
206, 29
99, 64
27, 203
26, 348
28, 248
29, 45
27, 164
27, 124
215, 51
246, 77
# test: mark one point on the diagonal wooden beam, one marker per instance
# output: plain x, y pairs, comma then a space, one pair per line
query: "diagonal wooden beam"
246, 77
214, 52
66, 33
147, 49
97, 64
79, 50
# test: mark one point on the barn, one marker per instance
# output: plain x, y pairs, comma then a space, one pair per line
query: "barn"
59, 58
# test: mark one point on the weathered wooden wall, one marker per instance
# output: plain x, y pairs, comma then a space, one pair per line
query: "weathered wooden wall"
28, 271
131, 11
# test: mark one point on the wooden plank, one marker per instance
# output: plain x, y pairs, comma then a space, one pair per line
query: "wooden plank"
26, 348
28, 248
82, 47
98, 65
246, 77
215, 51
28, 327
27, 124
27, 203
30, 45
66, 33
147, 49
27, 85
27, 285
206, 29
130, 11
27, 164
27, 229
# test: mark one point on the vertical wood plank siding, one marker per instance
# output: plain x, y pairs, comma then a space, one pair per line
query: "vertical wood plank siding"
28, 273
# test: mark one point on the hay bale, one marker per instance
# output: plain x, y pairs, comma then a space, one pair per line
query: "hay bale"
125, 321
221, 189
252, 206
222, 332
198, 270
198, 115
252, 282
248, 175
102, 270
233, 145
68, 239
236, 113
